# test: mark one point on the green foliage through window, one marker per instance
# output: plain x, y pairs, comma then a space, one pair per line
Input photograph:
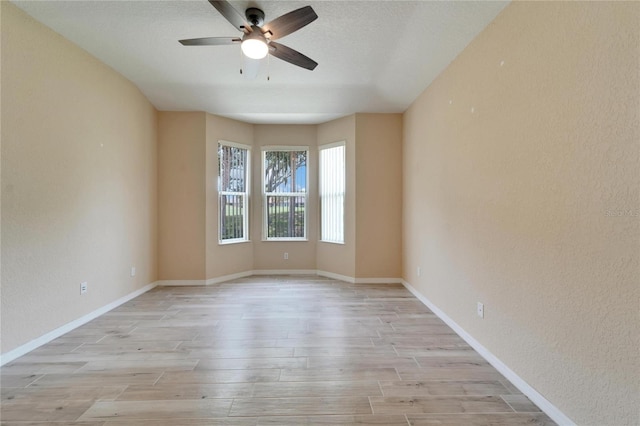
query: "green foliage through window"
285, 189
233, 172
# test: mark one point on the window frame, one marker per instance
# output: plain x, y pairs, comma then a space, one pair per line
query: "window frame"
246, 194
265, 207
342, 144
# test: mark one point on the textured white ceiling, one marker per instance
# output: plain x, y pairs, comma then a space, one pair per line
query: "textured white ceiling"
374, 56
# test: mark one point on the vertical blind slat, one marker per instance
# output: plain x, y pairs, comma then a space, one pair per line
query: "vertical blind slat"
332, 192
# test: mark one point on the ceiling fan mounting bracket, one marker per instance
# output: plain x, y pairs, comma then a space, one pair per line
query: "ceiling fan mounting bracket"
255, 16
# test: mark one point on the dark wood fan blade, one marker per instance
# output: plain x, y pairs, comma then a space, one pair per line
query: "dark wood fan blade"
290, 22
230, 14
294, 57
210, 41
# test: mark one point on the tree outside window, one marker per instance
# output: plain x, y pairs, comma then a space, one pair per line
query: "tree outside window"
285, 193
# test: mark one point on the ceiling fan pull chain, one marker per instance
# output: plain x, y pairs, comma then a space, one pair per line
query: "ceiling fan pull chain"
240, 50
268, 63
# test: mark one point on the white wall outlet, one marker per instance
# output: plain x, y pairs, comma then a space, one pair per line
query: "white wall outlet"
419, 271
286, 256
83, 287
133, 271
480, 310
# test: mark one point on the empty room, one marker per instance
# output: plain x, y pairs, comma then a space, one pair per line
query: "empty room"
321, 212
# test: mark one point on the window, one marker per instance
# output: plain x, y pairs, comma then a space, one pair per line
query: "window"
332, 189
284, 185
233, 192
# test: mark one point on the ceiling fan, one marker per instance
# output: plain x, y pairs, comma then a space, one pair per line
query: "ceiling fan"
258, 38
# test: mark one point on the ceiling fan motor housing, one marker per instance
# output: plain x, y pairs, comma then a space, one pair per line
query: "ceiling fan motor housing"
255, 16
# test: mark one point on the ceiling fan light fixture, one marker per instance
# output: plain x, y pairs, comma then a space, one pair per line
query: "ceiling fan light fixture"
254, 48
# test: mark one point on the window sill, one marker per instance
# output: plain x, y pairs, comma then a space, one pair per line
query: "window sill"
285, 240
231, 242
332, 242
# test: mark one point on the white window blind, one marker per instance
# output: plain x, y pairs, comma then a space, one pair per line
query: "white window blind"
233, 192
332, 189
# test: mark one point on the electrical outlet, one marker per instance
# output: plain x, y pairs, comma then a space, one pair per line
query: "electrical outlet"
480, 310
133, 271
83, 287
419, 271
286, 256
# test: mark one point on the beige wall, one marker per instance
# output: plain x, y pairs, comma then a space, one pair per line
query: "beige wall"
0, 179
181, 195
341, 258
79, 196
520, 189
225, 259
379, 195
188, 201
270, 254
515, 160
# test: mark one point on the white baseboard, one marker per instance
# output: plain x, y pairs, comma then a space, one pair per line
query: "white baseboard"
354, 280
336, 276
225, 278
54, 334
179, 283
378, 280
546, 406
229, 277
284, 272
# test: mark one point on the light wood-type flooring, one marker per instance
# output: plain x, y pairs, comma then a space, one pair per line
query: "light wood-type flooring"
277, 350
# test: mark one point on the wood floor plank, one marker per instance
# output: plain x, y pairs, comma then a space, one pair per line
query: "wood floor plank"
103, 393
480, 419
361, 420
94, 379
362, 362
22, 367
299, 406
149, 410
436, 350
452, 361
309, 342
263, 350
228, 344
50, 423
478, 373
439, 345
189, 391
442, 387
439, 404
311, 389
250, 363
142, 365
128, 346
338, 323
338, 374
18, 380
332, 333
217, 421
220, 376
223, 334
345, 351
142, 338
49, 410
240, 352
411, 331
107, 355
